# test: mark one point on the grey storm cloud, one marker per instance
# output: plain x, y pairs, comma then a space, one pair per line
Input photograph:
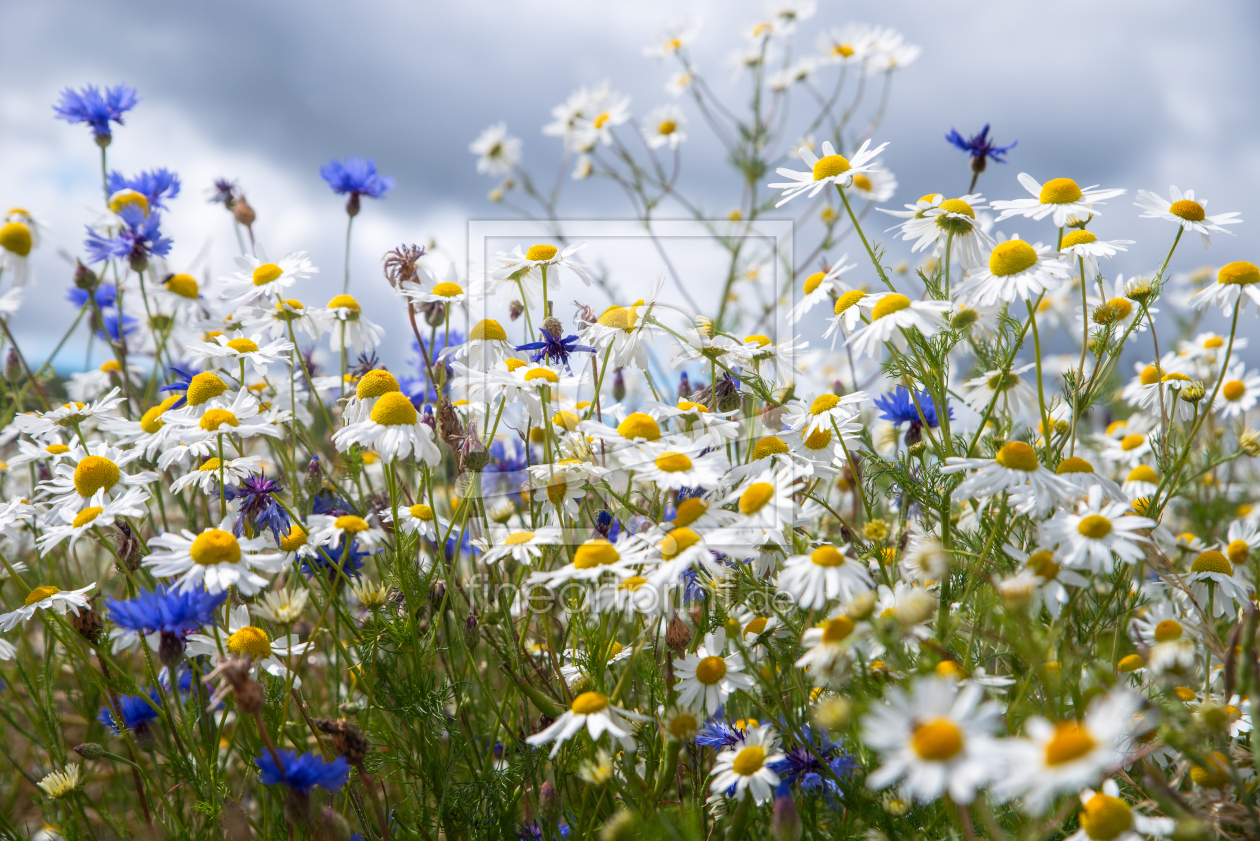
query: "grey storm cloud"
1131, 94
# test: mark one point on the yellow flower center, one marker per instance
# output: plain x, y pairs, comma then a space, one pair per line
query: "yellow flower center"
1174, 377
676, 542
690, 510
557, 492
755, 497
487, 330
1106, 818
266, 273
129, 198
689, 406
749, 761
1234, 390
827, 556
772, 445
1241, 273
638, 425
351, 523
41, 593
1011, 258
1132, 442
589, 703
293, 541
830, 166
420, 511
446, 289
1237, 551
844, 50
57, 449
1130, 663
837, 629
1095, 527
861, 182
215, 418
1142, 473
375, 383
518, 538
937, 740
545, 374
848, 299
95, 473
211, 465
710, 670
666, 127
1070, 741
952, 224
756, 626
1215, 774
16, 237
759, 338
1077, 238
1017, 456
215, 547
1121, 306
394, 409
345, 302
540, 252
673, 463
1060, 191
183, 285
1168, 630
822, 403
683, 726
243, 345
252, 641
818, 439
888, 305
1042, 563
1074, 464
811, 282
1212, 561
110, 366
203, 387
594, 553
1189, 210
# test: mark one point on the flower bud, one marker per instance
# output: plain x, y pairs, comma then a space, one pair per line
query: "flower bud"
619, 385
250, 696
334, 826
472, 632
84, 278
89, 750
138, 263
170, 649
515, 310
103, 140
352, 205
1194, 392
552, 326
313, 481
13, 367
861, 606
917, 607
437, 593
128, 546
1249, 443
677, 636
434, 313
549, 805
1105, 314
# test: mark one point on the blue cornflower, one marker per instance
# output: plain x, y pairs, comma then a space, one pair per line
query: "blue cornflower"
165, 610
897, 408
533, 832
260, 508
138, 240
555, 349
302, 772
156, 185
326, 502
717, 734
110, 324
981, 150
418, 387
693, 590
507, 459
106, 296
357, 177
183, 379
804, 766
96, 108
137, 711
349, 559
608, 526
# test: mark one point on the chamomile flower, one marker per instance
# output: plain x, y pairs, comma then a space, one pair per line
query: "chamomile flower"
819, 287
497, 152
1014, 271
349, 327
287, 313
824, 575
206, 477
1089, 249
937, 740
283, 606
1059, 198
1159, 623
1096, 531
1014, 469
893, 313
830, 169
765, 509
256, 280
592, 559
215, 558
1183, 209
1217, 585
393, 429
58, 784
875, 185
1080, 473
706, 678
746, 767
522, 546
590, 711
848, 312
68, 417
47, 597
1050, 580
245, 349
828, 649
327, 530
244, 639
935, 220
1232, 282
1013, 392
1106, 817
85, 473
487, 345
1057, 758
538, 258
1238, 393
664, 126
100, 513
676, 467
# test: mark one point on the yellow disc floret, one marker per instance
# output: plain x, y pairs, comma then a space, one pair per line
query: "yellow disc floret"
215, 418
1070, 741
344, 302
487, 330
888, 305
203, 387
1105, 818
638, 425
937, 740
1212, 561
183, 285
594, 553
251, 641
86, 516
1095, 527
827, 556
1017, 456
243, 345
266, 273
589, 703
151, 420
394, 409
375, 383
1240, 273
1077, 238
40, 593
1188, 209
538, 253
1011, 258
214, 546
1060, 191
16, 237
95, 473
676, 542
755, 497
848, 299
671, 462
710, 670
749, 761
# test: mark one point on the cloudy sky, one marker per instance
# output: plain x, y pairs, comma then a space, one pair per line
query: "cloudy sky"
1137, 94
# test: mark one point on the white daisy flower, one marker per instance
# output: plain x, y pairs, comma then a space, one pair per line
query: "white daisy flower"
676, 467
1014, 469
744, 766
706, 678
819, 287
524, 547
244, 348
1239, 392
243, 638
215, 558
497, 152
259, 280
349, 327
824, 575
1232, 281
287, 313
206, 477
1015, 393
65, 419
47, 597
520, 266
486, 346
1191, 215
100, 513
393, 429
893, 313
1014, 271
825, 171
1080, 473
848, 311
1090, 536
1105, 817
417, 518
593, 712
592, 559
1217, 585
664, 125
1060, 198
1089, 249
1161, 622
83, 474
220, 416
875, 185
327, 530
828, 649
934, 219
937, 740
